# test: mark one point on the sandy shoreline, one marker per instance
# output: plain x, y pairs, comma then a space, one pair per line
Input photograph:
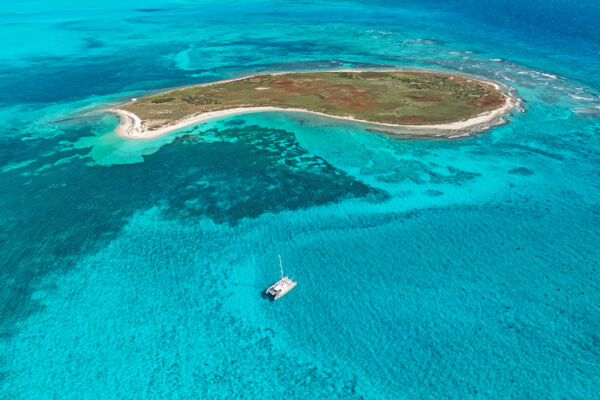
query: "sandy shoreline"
132, 127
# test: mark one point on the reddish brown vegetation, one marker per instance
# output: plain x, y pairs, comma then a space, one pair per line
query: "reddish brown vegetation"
488, 101
350, 96
413, 120
287, 85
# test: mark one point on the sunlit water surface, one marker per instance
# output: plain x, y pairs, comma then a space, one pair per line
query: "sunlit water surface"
463, 268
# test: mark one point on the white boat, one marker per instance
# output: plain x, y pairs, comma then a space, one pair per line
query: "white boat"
281, 287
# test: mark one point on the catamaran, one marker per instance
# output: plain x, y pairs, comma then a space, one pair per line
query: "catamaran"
281, 287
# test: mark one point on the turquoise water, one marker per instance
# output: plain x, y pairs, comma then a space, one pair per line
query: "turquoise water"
463, 268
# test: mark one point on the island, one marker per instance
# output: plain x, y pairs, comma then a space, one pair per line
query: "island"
411, 102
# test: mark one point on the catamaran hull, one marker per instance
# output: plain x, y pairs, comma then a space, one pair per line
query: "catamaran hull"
280, 288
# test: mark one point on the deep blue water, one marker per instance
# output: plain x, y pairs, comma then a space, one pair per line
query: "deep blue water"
462, 268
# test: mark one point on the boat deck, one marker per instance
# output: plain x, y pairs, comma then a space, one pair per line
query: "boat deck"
280, 288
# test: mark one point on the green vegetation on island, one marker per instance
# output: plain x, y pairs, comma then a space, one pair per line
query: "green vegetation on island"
391, 97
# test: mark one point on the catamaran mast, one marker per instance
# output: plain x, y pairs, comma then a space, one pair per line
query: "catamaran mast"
280, 266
